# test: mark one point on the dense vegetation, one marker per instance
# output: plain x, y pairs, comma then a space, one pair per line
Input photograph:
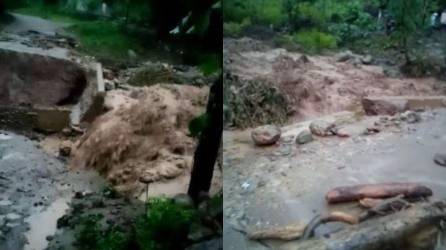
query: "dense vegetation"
166, 225
325, 24
124, 29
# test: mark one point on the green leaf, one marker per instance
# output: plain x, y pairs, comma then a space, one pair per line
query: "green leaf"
198, 124
210, 64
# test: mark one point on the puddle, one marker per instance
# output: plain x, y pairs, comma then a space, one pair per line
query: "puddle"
43, 224
4, 137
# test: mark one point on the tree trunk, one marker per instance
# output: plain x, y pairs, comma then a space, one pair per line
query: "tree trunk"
208, 145
2, 7
381, 190
400, 230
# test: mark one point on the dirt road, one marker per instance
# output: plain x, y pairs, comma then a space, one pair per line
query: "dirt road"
286, 184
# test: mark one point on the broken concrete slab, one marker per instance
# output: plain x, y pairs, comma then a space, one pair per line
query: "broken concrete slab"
91, 104
391, 105
52, 119
44, 119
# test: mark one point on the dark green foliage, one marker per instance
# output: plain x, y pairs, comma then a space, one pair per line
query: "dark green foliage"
408, 17
198, 124
92, 236
234, 29
258, 11
314, 41
165, 226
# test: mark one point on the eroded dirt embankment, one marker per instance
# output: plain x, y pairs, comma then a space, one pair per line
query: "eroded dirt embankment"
311, 85
36, 87
28, 80
284, 184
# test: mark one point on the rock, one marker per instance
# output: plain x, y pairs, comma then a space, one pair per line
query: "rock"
65, 148
199, 232
371, 130
304, 137
132, 54
440, 159
13, 217
384, 105
322, 128
367, 59
215, 244
266, 135
22, 80
410, 117
67, 132
109, 85
344, 56
183, 200
342, 132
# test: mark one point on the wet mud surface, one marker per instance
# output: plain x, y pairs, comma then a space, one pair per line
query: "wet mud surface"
286, 183
35, 190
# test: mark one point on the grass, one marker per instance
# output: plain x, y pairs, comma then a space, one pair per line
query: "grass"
48, 13
104, 38
100, 38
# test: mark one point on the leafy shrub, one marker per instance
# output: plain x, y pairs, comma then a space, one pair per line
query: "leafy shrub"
269, 12
93, 236
287, 42
165, 226
315, 41
233, 29
258, 11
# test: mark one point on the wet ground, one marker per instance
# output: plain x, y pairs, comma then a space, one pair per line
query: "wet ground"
35, 191
18, 36
286, 184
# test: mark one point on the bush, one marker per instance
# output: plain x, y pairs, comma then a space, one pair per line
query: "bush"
313, 41
165, 226
269, 13
234, 29
258, 11
287, 42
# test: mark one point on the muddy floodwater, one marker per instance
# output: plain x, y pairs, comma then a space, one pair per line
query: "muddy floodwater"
36, 189
287, 183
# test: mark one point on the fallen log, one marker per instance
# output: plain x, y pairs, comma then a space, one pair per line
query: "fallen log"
394, 231
331, 217
289, 232
382, 190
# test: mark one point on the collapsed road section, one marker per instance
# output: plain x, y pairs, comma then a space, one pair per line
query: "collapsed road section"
38, 92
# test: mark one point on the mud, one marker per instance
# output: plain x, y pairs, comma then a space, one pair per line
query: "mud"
35, 187
286, 184
145, 132
318, 85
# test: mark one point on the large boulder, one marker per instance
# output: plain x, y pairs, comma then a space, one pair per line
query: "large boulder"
266, 135
384, 105
29, 80
322, 127
304, 137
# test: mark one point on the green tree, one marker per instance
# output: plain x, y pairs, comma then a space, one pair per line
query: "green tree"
408, 17
2, 7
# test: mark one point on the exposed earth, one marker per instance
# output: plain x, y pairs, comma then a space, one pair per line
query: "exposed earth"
285, 184
40, 184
